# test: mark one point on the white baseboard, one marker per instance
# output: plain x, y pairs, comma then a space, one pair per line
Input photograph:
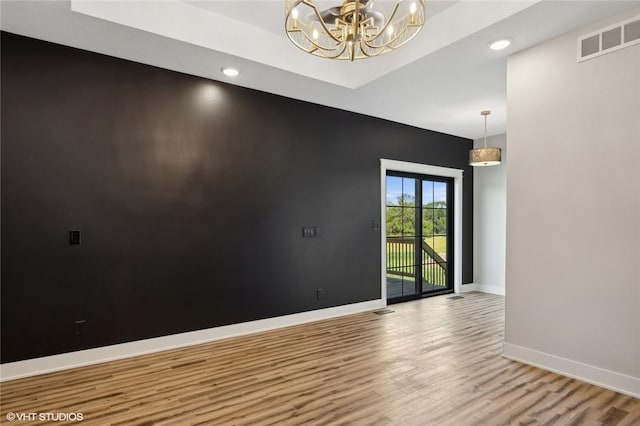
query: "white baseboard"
468, 287
49, 364
493, 289
608, 379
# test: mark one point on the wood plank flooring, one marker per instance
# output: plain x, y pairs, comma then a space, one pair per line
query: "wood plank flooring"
431, 362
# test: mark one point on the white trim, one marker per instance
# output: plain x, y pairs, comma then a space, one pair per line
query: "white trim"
49, 364
608, 379
493, 289
383, 233
423, 169
468, 287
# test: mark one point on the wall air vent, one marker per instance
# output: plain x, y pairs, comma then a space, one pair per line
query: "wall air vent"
609, 39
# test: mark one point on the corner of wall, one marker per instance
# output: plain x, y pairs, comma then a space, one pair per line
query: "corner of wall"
489, 216
607, 379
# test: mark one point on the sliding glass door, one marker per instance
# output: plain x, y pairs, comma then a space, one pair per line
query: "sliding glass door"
419, 217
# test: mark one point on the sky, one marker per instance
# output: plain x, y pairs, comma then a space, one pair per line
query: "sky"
431, 191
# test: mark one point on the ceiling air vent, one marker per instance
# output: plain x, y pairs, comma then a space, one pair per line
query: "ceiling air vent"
609, 39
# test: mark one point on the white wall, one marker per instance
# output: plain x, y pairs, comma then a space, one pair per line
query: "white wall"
573, 212
489, 220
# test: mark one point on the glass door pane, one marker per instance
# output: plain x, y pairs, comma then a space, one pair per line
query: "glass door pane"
402, 237
435, 215
418, 235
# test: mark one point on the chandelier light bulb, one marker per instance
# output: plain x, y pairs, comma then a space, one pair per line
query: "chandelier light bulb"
413, 8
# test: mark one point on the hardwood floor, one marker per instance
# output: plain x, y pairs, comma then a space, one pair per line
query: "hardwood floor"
431, 362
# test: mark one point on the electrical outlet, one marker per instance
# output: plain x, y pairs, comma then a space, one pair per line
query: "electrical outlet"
308, 232
74, 238
375, 226
319, 293
80, 327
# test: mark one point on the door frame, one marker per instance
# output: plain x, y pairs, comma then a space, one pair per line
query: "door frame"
422, 169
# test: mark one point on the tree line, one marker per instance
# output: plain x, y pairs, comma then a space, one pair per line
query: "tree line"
401, 217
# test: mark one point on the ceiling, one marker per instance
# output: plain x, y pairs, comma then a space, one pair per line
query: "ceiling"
441, 80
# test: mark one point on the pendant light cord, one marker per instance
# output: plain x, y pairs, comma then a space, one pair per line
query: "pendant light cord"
485, 131
484, 114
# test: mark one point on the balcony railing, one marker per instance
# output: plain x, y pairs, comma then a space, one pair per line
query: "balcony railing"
401, 260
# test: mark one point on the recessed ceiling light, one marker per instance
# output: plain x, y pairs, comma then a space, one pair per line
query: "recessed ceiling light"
230, 72
500, 44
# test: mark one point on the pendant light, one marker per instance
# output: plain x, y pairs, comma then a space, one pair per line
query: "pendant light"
485, 156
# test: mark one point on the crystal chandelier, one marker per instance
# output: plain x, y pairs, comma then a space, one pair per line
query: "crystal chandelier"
485, 156
357, 29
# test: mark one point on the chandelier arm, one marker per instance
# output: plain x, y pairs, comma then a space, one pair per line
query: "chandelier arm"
323, 50
290, 8
410, 24
380, 49
363, 51
322, 23
344, 47
384, 28
401, 33
319, 46
394, 39
386, 45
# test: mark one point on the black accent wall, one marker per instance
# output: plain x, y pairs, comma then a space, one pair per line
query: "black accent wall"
190, 196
